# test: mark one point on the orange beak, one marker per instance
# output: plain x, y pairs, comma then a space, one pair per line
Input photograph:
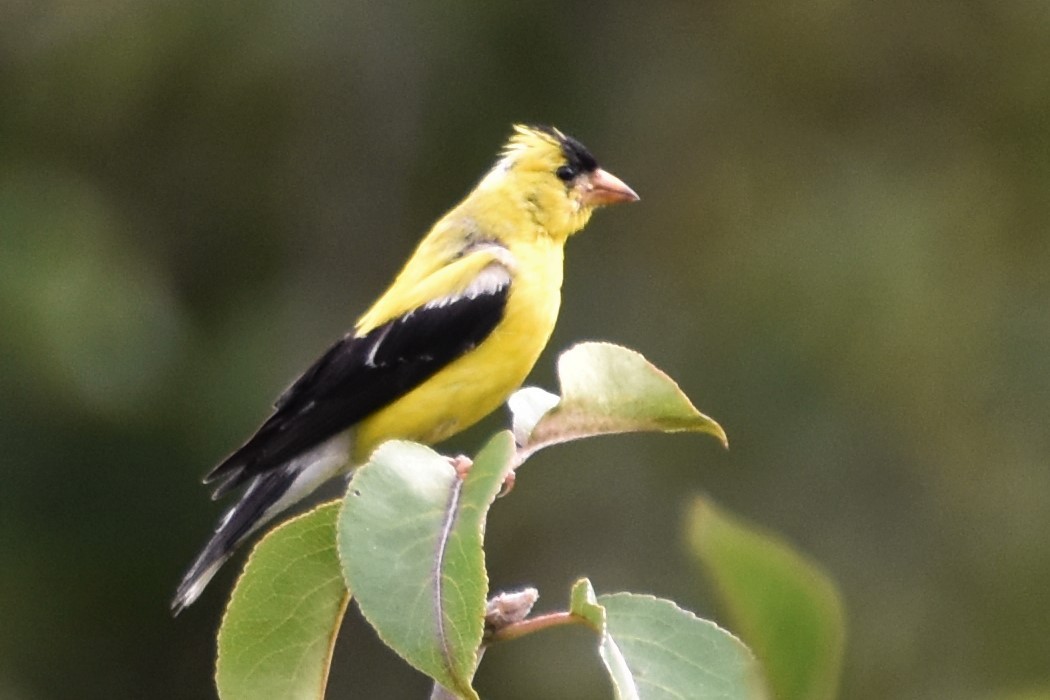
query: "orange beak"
600, 188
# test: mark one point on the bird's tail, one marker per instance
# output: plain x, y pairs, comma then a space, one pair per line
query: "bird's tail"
260, 502
267, 495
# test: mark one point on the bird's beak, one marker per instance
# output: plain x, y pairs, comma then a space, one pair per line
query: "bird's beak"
601, 187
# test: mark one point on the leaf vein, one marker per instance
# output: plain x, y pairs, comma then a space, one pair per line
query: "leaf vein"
450, 514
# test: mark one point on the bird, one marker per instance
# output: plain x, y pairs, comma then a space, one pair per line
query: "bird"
456, 332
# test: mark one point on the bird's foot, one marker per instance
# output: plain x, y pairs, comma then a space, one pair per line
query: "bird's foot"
508, 485
462, 465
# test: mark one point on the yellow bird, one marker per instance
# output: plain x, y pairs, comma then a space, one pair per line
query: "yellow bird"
457, 331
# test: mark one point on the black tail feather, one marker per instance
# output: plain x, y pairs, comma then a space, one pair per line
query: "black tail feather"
242, 520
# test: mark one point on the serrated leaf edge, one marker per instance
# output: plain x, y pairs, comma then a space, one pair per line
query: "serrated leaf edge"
326, 670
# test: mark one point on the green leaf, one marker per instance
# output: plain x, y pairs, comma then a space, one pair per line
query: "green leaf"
584, 605
410, 541
654, 650
780, 602
605, 389
280, 625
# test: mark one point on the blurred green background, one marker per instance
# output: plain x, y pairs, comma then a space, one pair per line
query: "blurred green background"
842, 253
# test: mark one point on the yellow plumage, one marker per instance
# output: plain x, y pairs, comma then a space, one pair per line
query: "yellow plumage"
457, 331
520, 205
474, 385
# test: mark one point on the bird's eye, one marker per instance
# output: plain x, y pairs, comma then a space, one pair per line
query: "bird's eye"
565, 173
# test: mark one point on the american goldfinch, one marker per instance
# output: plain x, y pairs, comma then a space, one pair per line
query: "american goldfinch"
457, 331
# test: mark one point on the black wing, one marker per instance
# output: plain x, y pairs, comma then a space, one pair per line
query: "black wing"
361, 374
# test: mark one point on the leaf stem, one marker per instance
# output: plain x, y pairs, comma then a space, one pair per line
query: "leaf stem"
535, 624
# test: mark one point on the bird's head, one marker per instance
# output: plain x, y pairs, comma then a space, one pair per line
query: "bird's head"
555, 178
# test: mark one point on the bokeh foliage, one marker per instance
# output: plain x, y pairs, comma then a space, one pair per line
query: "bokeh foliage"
842, 245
